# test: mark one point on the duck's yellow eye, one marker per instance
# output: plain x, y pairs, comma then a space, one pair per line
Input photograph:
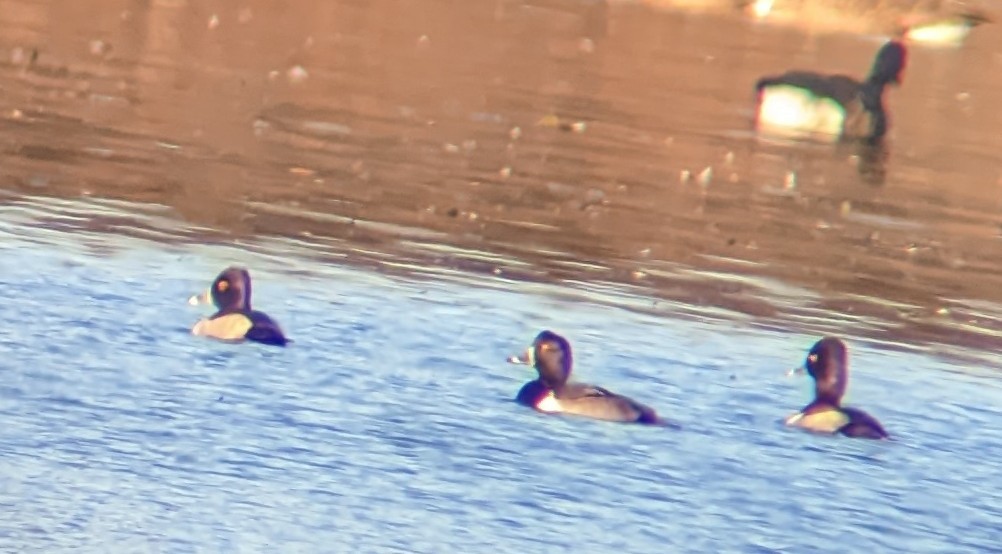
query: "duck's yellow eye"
222, 286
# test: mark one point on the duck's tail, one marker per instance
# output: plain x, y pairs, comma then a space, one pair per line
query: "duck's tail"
650, 417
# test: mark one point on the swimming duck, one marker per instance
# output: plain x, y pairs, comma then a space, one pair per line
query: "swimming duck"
828, 364
550, 355
235, 320
830, 106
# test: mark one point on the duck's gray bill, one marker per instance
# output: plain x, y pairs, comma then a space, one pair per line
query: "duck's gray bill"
524, 358
197, 299
799, 370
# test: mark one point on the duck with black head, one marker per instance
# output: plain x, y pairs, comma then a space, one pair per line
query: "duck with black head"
553, 392
828, 364
830, 107
234, 319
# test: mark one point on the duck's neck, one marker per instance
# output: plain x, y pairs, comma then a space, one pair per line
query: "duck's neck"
822, 402
872, 95
232, 310
555, 387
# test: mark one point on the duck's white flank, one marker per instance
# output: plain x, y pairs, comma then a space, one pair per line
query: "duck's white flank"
790, 109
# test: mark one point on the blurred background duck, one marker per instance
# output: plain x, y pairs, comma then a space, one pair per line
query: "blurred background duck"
928, 22
944, 23
829, 107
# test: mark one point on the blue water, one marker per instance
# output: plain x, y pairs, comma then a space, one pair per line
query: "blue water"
388, 426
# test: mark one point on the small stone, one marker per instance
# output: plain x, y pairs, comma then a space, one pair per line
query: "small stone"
594, 196
790, 182
550, 120
297, 74
706, 176
99, 47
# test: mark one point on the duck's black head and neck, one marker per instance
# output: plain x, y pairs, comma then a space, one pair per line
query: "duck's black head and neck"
828, 364
888, 66
551, 356
231, 291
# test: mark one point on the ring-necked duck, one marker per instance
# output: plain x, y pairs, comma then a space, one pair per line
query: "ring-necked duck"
828, 364
550, 354
830, 106
235, 320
